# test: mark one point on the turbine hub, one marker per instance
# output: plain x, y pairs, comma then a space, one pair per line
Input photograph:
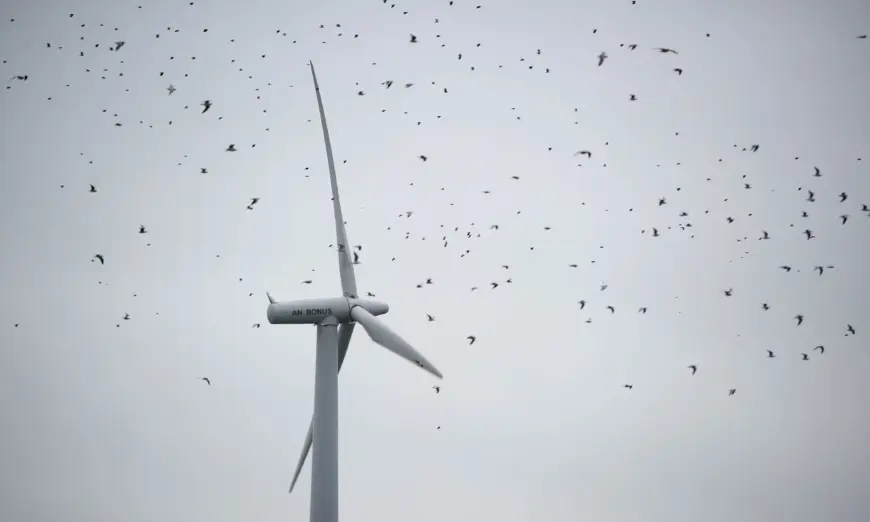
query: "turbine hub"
372, 307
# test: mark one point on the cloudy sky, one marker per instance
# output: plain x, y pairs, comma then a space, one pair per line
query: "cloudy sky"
105, 419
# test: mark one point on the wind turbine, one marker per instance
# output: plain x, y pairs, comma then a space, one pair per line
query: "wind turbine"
335, 318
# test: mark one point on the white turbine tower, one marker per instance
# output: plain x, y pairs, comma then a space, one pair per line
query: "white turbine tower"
335, 318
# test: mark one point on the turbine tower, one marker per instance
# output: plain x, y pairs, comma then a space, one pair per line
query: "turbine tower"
335, 318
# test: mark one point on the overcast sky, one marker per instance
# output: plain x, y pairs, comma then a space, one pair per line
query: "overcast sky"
105, 419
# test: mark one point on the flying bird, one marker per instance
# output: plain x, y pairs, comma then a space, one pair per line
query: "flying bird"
732, 391
430, 318
601, 58
99, 257
207, 381
805, 357
850, 329
231, 148
665, 50
254, 201
92, 189
355, 258
693, 367
770, 354
799, 318
583, 152
728, 292
171, 89
206, 106
629, 386
437, 389
142, 229
821, 349
471, 339
678, 71
413, 39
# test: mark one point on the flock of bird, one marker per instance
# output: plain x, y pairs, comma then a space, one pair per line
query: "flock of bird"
685, 223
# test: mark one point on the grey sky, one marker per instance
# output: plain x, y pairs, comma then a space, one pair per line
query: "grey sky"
99, 422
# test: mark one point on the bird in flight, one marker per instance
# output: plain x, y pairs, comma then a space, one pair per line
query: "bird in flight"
678, 71
207, 381
92, 189
770, 354
306, 282
729, 292
732, 391
206, 105
583, 152
99, 257
437, 389
693, 367
142, 229
430, 318
254, 201
629, 386
805, 357
413, 38
471, 339
665, 50
171, 89
799, 318
231, 148
850, 329
601, 58
820, 348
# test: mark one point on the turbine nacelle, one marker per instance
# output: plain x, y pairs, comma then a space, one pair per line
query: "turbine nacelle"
313, 311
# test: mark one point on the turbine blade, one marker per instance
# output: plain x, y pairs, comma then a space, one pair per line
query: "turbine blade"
345, 265
306, 447
382, 335
344, 333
